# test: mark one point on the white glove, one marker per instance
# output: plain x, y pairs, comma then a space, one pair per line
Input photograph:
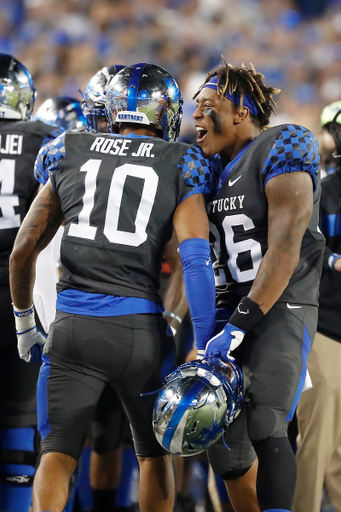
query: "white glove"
30, 339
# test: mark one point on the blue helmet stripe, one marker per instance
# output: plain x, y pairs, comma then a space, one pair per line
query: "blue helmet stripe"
180, 411
134, 85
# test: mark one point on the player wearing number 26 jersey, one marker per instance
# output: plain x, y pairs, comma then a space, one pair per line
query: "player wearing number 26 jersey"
268, 254
119, 195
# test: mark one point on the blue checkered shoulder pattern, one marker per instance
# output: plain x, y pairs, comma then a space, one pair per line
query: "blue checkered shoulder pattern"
196, 171
41, 173
295, 149
55, 132
55, 153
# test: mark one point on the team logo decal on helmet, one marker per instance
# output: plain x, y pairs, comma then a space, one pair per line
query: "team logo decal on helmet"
145, 94
197, 402
94, 97
17, 92
63, 111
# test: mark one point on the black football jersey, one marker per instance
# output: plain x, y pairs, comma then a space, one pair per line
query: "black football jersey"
118, 195
238, 213
20, 142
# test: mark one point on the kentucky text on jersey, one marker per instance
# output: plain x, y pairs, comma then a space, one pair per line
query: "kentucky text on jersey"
121, 147
229, 203
11, 144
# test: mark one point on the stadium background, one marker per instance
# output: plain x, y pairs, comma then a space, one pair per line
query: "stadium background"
296, 44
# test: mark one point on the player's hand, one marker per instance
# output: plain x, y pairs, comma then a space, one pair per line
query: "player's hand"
223, 343
30, 345
30, 340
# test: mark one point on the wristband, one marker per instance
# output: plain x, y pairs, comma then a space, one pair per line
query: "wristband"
332, 259
246, 315
24, 319
171, 314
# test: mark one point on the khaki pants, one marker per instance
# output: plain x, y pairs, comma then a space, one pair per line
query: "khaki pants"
319, 425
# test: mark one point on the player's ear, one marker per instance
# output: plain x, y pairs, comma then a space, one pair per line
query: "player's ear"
240, 115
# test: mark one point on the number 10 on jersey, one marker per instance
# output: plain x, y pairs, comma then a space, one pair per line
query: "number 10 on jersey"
84, 230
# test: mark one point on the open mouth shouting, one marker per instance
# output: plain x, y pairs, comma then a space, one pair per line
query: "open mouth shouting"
201, 133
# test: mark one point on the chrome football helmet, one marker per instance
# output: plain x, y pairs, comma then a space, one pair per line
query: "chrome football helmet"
17, 92
146, 94
94, 97
62, 111
196, 404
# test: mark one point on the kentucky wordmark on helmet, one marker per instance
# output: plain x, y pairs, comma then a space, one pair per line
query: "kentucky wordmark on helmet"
145, 94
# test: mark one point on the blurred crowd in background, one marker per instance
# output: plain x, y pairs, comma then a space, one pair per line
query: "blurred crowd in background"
295, 44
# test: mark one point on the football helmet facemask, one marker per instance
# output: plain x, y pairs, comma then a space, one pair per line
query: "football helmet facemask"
94, 97
62, 111
145, 94
17, 92
197, 402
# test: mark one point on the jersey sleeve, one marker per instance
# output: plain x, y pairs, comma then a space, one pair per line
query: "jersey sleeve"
54, 154
54, 133
295, 149
196, 171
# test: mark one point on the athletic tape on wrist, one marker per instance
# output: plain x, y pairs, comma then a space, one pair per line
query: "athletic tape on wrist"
246, 315
23, 312
24, 319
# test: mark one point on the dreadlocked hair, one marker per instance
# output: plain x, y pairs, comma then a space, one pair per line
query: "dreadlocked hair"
245, 81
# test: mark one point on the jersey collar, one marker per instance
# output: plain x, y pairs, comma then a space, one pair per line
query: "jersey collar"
230, 166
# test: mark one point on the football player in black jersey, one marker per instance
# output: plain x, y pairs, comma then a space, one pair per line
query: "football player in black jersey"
120, 196
109, 420
318, 411
20, 140
268, 255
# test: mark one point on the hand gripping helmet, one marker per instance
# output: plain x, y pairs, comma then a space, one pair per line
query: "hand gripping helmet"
17, 92
94, 97
197, 402
146, 94
63, 111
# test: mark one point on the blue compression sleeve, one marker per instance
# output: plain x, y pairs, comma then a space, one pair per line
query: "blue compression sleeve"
200, 289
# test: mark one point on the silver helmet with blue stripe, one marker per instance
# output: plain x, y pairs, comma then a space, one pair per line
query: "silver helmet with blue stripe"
17, 92
196, 404
94, 96
145, 94
63, 111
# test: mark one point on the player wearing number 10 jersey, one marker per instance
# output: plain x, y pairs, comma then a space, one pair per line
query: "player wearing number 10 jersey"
119, 196
268, 259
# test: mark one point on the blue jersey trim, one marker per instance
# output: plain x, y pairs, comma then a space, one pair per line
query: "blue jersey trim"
101, 305
229, 168
133, 136
276, 510
305, 353
331, 224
